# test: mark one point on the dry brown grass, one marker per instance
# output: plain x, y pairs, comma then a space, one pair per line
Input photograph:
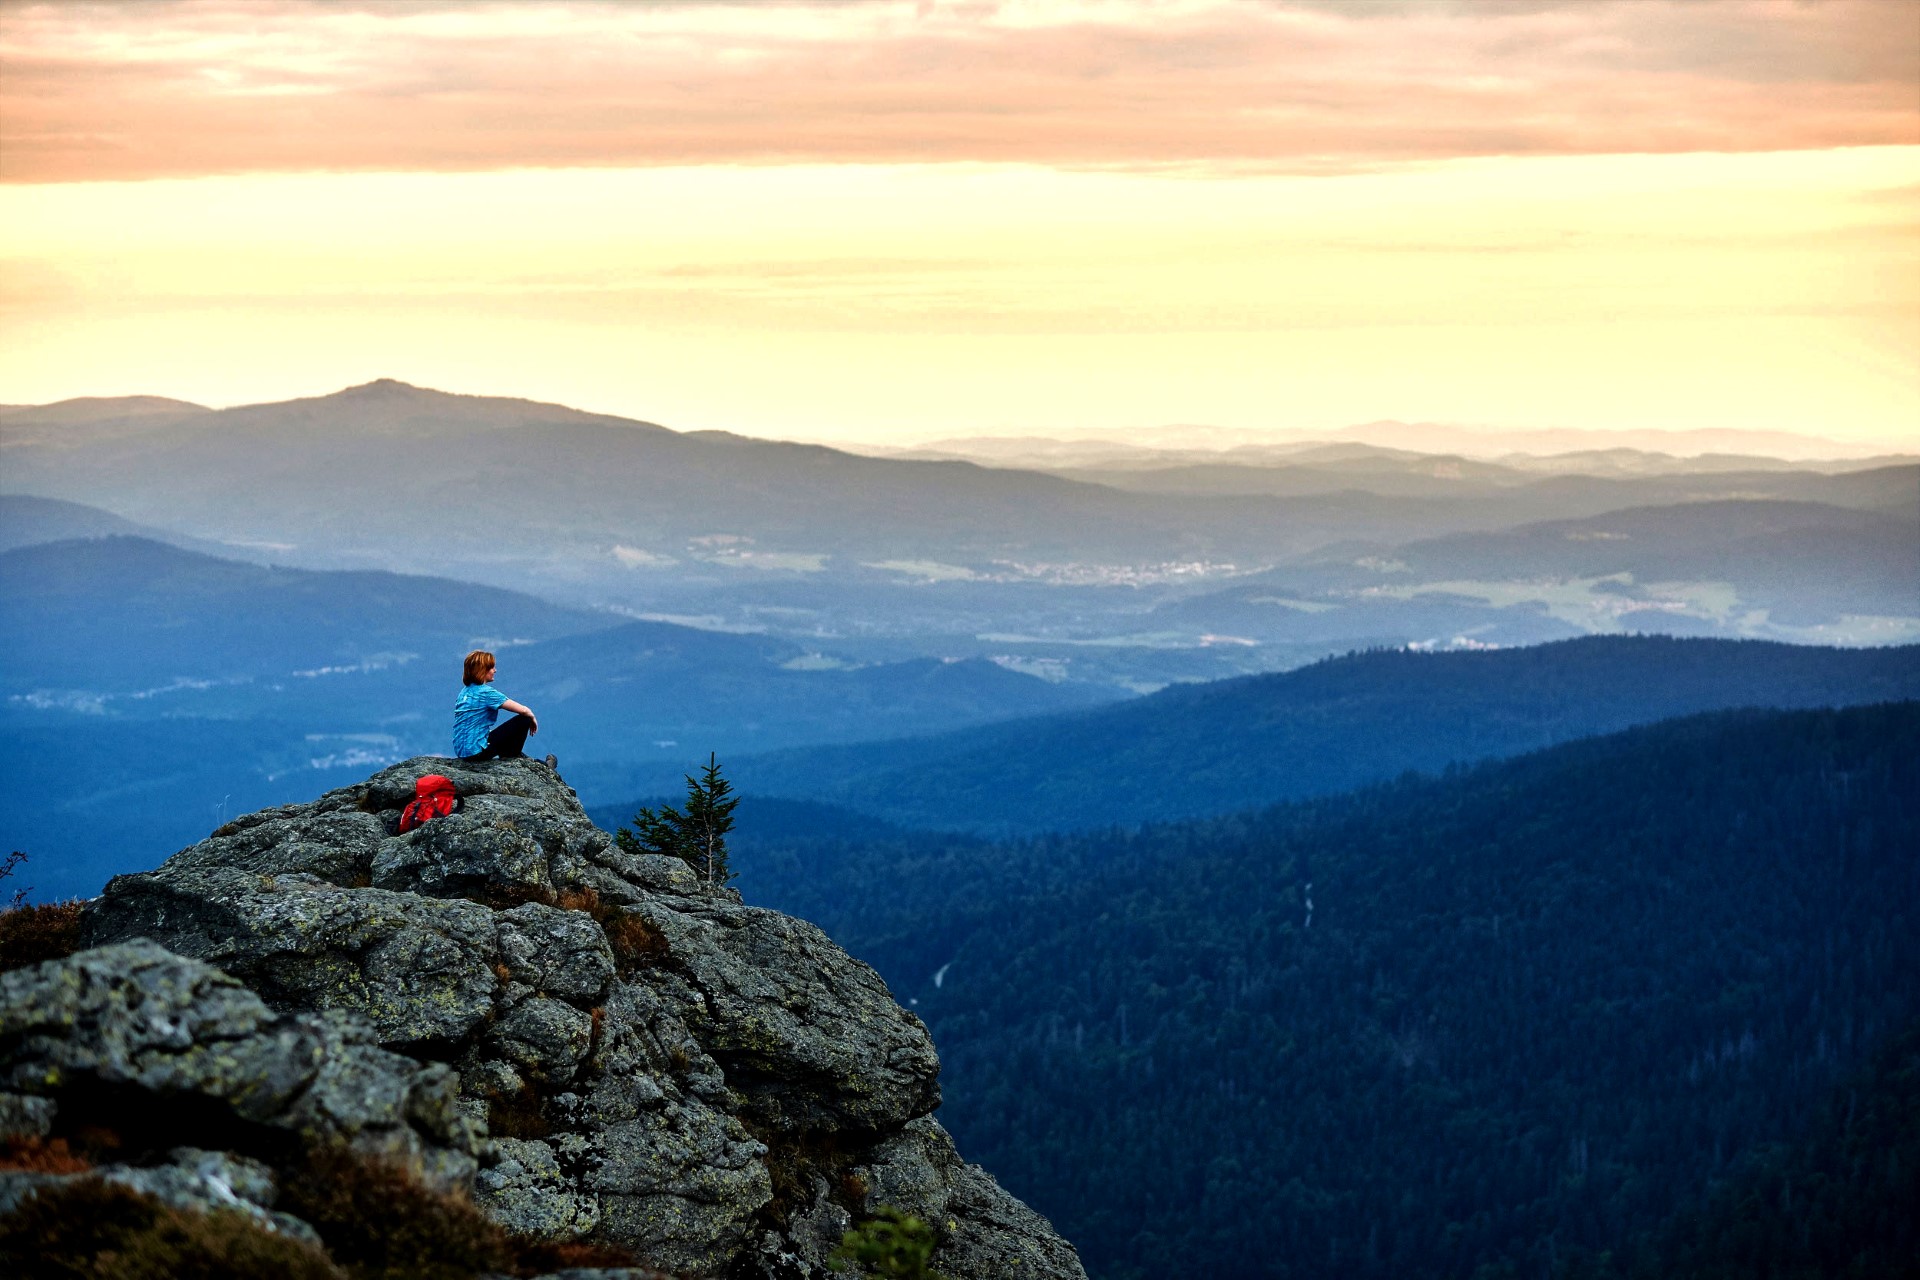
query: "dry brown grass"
103, 1231
380, 1222
28, 1154
520, 1114
377, 1220
33, 934
635, 943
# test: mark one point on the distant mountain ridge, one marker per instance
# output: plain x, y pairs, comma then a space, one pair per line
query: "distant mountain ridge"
388, 475
1555, 449
1759, 568
118, 611
1196, 750
84, 409
124, 613
1125, 585
26, 521
140, 673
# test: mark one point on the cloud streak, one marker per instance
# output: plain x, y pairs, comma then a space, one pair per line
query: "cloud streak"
109, 91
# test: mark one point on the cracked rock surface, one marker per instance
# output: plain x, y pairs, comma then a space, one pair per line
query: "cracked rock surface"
121, 1029
596, 1046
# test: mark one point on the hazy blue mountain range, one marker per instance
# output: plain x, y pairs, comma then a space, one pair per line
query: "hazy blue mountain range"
1571, 484
1523, 495
121, 616
410, 478
25, 521
91, 417
1214, 748
1802, 571
142, 676
884, 560
799, 540
120, 613
1378, 446
1495, 1023
1815, 560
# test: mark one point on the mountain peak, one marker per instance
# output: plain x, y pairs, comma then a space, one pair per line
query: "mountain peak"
387, 387
88, 410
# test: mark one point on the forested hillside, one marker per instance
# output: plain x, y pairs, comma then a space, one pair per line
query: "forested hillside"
1493, 1023
1837, 1203
1198, 750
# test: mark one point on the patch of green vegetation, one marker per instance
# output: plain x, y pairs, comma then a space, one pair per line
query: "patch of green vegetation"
889, 1246
698, 835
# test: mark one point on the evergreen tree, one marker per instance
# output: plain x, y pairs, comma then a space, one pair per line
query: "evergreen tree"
698, 836
891, 1245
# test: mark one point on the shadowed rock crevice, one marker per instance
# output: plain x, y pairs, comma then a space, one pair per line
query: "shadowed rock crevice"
597, 1047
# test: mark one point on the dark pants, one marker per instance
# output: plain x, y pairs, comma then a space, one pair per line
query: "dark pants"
507, 741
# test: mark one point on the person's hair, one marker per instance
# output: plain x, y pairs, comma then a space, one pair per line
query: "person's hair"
479, 662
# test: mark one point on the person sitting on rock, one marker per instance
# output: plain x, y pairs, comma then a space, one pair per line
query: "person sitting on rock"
475, 736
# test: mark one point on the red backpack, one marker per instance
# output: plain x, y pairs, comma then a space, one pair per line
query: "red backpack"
432, 798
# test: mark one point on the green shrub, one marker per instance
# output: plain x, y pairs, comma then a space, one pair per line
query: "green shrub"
889, 1246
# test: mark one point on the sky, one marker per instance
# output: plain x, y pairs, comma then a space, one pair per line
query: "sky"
889, 222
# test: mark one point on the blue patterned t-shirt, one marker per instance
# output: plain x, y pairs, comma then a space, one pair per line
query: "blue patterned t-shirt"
473, 716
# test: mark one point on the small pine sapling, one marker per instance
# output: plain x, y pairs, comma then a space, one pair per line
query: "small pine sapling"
710, 807
891, 1246
698, 836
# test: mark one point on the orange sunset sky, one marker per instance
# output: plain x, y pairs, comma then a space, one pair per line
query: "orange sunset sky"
886, 222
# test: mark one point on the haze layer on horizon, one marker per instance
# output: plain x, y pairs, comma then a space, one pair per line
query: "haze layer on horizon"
885, 222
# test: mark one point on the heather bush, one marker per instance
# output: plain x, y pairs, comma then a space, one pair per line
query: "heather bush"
101, 1230
29, 1153
634, 942
380, 1222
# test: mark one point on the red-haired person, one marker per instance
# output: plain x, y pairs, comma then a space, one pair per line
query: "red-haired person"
475, 736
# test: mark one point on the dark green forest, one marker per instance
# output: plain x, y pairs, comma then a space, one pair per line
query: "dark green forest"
1509, 1021
1837, 1203
1194, 751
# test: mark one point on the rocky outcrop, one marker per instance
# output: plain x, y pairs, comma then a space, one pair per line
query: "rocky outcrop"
162, 1050
505, 1000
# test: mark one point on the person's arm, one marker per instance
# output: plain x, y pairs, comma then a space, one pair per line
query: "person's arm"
533, 722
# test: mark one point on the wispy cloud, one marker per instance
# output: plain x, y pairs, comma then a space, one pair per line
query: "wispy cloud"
107, 91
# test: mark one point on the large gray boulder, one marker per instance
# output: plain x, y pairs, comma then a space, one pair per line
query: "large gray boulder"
176, 1052
809, 1037
660, 1067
